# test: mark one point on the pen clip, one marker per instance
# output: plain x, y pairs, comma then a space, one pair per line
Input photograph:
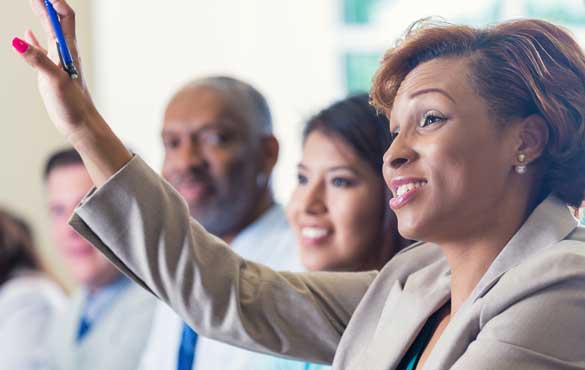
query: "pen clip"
69, 68
61, 56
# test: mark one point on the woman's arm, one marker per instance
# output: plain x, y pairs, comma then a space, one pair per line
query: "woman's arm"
143, 225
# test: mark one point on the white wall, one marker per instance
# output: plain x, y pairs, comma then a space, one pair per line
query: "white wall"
27, 135
144, 50
289, 49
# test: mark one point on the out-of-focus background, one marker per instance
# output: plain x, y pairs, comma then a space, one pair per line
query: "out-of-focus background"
302, 54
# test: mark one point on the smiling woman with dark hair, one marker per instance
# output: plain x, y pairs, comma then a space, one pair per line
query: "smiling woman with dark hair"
339, 209
488, 151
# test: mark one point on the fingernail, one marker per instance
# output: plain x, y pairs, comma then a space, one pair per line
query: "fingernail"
19, 45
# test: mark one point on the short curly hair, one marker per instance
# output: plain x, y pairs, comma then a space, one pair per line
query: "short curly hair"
520, 67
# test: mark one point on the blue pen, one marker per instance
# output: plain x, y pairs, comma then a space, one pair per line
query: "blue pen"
63, 49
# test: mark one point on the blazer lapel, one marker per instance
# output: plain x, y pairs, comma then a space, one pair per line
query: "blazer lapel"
406, 312
549, 223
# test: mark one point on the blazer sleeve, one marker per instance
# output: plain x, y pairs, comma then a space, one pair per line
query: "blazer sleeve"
538, 326
143, 226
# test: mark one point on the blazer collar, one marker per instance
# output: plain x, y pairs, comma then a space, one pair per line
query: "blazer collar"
423, 293
550, 222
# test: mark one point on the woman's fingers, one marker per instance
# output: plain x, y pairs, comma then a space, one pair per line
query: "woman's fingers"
32, 39
38, 7
36, 58
66, 16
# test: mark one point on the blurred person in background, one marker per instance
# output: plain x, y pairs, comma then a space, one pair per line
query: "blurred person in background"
28, 298
219, 155
107, 320
339, 209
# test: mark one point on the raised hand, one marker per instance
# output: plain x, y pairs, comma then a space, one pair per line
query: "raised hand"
68, 101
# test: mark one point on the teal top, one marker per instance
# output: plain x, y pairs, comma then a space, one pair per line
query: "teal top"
276, 363
409, 361
411, 358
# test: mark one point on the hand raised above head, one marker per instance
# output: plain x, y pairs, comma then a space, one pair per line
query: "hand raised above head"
67, 100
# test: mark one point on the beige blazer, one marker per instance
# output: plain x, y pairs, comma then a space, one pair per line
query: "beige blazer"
527, 312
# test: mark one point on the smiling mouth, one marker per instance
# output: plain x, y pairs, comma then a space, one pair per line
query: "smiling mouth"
405, 193
193, 190
314, 235
405, 188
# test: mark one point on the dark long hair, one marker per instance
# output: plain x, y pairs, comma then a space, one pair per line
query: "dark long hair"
355, 121
16, 246
358, 124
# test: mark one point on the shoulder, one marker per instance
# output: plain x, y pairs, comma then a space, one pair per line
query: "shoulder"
559, 265
540, 303
31, 290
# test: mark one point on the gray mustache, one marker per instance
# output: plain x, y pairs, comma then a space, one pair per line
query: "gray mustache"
192, 176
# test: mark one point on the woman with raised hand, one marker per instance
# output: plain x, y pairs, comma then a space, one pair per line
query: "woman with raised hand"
488, 151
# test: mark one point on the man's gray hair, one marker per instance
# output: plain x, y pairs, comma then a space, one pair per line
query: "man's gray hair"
243, 96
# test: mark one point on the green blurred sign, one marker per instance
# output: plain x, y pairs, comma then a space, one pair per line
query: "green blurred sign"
359, 70
567, 12
359, 11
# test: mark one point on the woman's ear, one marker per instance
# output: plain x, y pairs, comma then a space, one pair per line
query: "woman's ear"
533, 137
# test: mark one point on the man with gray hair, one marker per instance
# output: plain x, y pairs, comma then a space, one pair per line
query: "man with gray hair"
219, 154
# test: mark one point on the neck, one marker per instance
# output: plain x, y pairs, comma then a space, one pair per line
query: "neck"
265, 202
471, 256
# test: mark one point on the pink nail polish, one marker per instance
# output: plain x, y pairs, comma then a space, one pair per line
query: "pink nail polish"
19, 45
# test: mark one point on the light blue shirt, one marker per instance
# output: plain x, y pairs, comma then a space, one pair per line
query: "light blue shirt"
276, 363
97, 303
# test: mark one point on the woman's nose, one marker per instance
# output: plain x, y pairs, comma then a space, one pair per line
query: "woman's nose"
314, 199
399, 153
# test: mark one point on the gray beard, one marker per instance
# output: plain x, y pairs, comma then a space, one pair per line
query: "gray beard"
226, 216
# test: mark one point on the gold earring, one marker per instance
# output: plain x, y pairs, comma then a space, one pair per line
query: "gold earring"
521, 168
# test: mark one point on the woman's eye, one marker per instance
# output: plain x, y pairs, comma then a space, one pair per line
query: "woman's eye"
394, 134
431, 117
341, 182
302, 179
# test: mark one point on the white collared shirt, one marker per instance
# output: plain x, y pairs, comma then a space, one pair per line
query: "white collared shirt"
96, 304
28, 302
269, 241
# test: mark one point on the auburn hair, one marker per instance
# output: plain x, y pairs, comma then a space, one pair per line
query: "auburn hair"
520, 67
